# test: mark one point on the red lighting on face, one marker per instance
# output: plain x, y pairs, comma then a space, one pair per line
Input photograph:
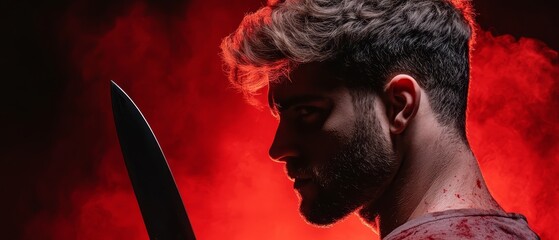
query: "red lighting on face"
217, 145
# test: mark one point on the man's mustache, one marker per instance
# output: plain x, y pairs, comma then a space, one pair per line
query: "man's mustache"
299, 168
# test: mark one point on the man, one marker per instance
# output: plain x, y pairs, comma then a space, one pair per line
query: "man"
371, 97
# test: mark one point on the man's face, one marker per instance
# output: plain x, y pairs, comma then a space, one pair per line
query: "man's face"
339, 156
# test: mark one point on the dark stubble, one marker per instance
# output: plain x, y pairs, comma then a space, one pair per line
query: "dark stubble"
354, 176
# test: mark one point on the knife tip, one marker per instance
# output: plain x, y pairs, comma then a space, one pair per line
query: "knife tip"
113, 84
115, 89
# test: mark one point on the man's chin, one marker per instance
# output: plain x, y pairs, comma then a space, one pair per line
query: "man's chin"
320, 216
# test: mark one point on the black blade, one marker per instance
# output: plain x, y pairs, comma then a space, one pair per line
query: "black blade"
159, 199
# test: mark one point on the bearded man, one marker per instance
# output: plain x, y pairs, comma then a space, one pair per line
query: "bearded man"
371, 99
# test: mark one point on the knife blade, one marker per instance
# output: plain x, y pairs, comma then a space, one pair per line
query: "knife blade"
160, 202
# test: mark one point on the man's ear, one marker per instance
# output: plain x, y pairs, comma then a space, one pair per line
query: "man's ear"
404, 95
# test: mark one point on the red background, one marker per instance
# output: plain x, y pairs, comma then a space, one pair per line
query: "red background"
62, 171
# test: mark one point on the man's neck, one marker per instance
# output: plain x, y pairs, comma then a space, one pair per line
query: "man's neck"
439, 173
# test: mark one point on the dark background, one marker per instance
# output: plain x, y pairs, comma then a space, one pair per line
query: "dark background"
37, 74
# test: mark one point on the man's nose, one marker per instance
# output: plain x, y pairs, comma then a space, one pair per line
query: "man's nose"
284, 144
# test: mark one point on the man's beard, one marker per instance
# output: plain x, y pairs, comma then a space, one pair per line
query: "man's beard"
353, 177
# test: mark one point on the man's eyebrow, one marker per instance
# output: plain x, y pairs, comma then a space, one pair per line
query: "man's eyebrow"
282, 104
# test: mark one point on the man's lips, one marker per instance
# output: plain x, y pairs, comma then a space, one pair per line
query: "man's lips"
298, 175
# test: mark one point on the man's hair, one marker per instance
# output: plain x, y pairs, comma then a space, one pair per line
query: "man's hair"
372, 40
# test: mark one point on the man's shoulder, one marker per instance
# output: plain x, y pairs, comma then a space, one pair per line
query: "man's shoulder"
465, 224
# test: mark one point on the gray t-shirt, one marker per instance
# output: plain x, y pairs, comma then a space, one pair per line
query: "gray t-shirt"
465, 224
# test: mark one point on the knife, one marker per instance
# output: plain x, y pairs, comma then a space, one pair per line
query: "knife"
161, 205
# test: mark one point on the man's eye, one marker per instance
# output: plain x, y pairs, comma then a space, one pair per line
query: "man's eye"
303, 111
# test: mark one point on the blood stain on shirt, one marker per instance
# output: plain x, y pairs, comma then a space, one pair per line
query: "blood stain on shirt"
463, 229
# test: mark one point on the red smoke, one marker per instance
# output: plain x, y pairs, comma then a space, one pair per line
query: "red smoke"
513, 125
216, 144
